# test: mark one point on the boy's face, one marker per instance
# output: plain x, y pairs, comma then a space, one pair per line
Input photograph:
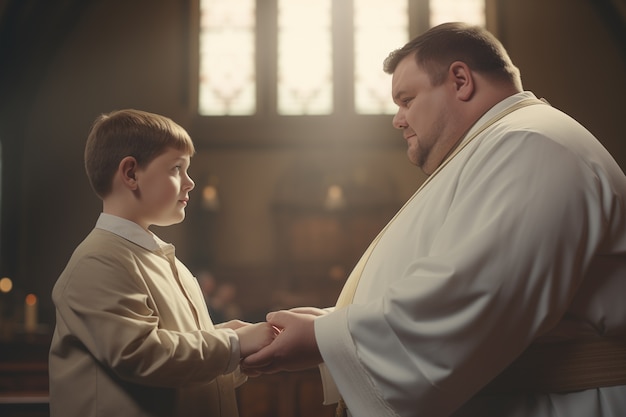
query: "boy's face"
163, 189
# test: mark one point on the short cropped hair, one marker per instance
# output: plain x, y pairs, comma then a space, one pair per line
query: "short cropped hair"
437, 48
129, 132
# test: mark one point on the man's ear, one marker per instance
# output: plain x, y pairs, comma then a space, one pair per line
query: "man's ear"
127, 170
463, 80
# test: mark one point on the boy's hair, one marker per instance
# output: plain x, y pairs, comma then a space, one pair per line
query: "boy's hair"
129, 132
441, 45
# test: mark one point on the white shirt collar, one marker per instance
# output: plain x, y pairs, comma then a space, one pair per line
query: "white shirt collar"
131, 231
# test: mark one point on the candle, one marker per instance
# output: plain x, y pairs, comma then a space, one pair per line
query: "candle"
30, 313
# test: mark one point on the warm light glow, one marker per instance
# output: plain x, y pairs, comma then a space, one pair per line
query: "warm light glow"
31, 299
377, 30
468, 11
335, 192
337, 273
334, 198
30, 313
227, 69
305, 73
210, 199
6, 285
307, 33
209, 192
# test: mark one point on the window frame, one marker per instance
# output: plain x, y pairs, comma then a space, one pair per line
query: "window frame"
266, 128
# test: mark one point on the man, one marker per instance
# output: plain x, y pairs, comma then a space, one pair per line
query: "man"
497, 289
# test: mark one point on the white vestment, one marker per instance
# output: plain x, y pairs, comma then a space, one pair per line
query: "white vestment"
519, 239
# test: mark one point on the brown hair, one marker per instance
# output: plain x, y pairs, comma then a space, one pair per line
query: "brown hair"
129, 132
441, 45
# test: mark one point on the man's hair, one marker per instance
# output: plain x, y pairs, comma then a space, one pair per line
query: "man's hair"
444, 44
129, 132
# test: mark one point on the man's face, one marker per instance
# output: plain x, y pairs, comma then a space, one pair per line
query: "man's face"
423, 114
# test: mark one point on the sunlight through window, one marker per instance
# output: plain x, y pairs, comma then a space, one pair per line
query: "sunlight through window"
305, 78
227, 82
297, 56
469, 11
375, 29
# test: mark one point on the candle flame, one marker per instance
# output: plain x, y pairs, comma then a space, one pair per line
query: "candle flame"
6, 285
31, 299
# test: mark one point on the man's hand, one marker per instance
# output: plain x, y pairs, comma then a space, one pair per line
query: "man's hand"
309, 310
294, 349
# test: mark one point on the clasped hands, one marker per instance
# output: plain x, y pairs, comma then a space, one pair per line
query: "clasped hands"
292, 345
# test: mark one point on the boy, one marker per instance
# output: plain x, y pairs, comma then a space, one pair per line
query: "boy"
133, 336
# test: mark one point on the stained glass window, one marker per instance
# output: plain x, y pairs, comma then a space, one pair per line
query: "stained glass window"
303, 33
375, 29
227, 84
305, 77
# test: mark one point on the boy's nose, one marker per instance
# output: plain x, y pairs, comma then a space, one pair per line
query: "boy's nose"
190, 183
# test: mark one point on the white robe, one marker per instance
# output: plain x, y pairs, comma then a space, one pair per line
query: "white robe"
522, 236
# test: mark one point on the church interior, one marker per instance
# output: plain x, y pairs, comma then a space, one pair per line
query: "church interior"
283, 205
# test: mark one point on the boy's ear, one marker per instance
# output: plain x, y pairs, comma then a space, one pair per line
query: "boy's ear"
127, 170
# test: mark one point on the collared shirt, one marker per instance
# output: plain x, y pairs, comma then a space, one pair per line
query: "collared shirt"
131, 231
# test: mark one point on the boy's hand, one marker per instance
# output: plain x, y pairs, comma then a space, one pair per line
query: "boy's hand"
254, 337
233, 324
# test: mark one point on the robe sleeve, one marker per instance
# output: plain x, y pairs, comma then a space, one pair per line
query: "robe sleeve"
501, 268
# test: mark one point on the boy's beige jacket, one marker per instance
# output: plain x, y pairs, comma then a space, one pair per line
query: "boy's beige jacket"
133, 335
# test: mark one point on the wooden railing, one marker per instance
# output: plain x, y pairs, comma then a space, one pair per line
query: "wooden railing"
24, 376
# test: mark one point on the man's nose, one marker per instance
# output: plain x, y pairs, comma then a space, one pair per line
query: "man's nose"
399, 121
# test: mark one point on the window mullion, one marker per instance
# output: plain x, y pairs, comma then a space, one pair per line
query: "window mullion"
419, 12
266, 57
343, 56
